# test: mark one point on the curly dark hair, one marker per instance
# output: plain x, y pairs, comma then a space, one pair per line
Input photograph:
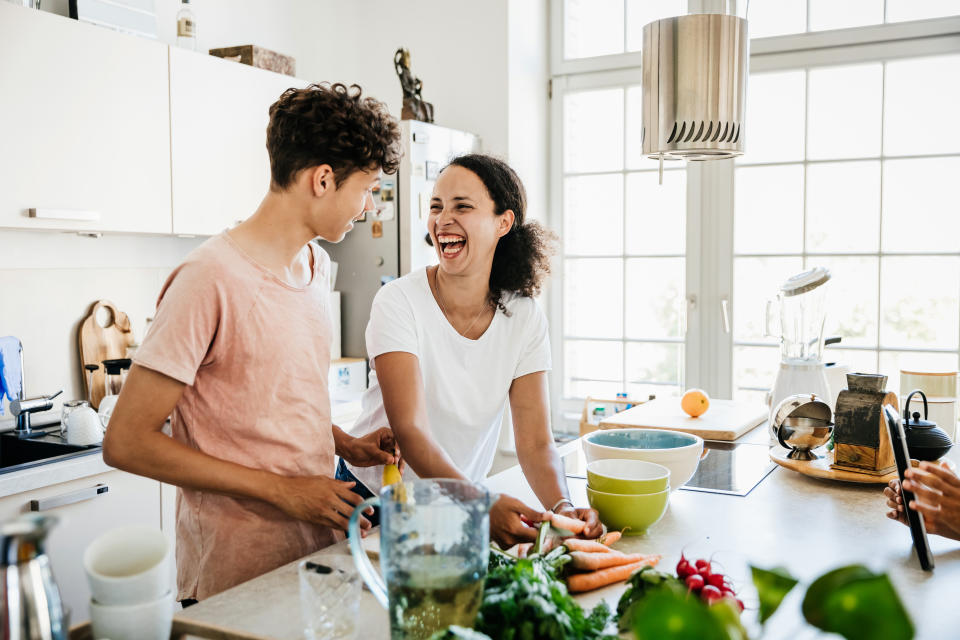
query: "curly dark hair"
330, 124
521, 261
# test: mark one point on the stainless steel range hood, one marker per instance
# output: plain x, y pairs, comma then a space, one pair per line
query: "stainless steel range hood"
694, 87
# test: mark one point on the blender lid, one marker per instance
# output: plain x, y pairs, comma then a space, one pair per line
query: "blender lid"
806, 281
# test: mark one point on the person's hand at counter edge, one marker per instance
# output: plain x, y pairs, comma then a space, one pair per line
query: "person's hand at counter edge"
936, 492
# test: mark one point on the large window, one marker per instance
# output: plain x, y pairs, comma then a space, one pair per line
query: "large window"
851, 167
624, 252
850, 161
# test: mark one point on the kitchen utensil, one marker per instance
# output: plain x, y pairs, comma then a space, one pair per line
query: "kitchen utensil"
128, 565
104, 334
679, 452
627, 476
823, 468
151, 620
67, 409
433, 554
115, 374
925, 440
724, 420
83, 426
802, 306
633, 514
861, 437
329, 597
31, 607
802, 423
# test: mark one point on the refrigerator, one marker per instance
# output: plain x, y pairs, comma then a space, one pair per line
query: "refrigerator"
392, 240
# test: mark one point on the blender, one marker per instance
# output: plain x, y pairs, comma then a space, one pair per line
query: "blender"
802, 305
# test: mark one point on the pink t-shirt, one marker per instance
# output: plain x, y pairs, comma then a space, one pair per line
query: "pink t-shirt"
254, 353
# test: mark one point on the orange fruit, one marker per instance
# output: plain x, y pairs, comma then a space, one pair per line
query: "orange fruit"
695, 402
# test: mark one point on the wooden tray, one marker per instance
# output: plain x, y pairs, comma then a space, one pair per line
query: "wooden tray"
820, 468
182, 629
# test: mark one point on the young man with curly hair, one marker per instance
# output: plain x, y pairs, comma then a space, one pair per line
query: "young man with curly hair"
239, 351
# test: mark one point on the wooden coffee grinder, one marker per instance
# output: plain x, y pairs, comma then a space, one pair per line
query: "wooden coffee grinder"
861, 439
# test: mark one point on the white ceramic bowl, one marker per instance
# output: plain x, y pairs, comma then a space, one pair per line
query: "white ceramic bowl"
679, 452
146, 621
128, 565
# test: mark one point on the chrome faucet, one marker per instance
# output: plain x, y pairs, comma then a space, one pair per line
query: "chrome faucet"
22, 407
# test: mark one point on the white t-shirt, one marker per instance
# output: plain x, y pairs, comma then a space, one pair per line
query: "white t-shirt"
466, 382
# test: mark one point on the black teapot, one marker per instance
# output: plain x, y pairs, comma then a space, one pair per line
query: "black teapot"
925, 440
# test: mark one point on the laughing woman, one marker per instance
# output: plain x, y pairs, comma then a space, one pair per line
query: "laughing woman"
449, 346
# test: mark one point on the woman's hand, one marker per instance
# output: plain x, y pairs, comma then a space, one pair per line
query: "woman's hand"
590, 516
508, 518
375, 448
936, 492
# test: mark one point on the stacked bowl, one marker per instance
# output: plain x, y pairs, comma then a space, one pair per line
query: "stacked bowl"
130, 574
631, 472
629, 495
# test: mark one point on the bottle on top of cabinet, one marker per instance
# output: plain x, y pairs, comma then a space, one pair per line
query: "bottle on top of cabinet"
186, 27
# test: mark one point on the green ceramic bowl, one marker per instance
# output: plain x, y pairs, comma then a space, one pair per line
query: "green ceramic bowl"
635, 513
627, 476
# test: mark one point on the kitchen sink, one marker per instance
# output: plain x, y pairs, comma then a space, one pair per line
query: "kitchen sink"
23, 453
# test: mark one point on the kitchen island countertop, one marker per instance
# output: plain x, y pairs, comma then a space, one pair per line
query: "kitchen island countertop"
804, 524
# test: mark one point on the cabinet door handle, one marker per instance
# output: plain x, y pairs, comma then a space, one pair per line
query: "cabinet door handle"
64, 214
71, 497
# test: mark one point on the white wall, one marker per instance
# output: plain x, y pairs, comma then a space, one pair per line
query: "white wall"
48, 282
483, 66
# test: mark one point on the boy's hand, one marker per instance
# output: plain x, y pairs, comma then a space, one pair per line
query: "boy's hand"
373, 449
320, 500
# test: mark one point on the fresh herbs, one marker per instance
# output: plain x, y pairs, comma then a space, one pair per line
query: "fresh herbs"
525, 600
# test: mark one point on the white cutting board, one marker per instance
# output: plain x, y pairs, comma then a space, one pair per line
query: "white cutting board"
724, 420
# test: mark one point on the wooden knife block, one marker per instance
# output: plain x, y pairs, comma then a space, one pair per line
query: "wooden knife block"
860, 435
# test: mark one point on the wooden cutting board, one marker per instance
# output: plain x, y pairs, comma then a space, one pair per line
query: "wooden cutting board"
724, 420
182, 630
98, 343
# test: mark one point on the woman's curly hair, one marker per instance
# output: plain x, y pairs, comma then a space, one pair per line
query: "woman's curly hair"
521, 261
330, 124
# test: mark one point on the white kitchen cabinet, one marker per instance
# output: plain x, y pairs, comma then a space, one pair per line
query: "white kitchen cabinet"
84, 126
219, 110
129, 499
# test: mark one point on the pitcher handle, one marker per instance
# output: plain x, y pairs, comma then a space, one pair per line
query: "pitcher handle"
364, 566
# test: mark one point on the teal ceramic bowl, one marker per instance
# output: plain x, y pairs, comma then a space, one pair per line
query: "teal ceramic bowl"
627, 476
632, 513
679, 452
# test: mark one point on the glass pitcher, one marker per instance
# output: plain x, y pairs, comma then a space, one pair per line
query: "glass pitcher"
802, 305
434, 543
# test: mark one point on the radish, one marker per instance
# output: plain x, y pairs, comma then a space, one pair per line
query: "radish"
695, 582
701, 564
710, 593
717, 580
740, 603
684, 568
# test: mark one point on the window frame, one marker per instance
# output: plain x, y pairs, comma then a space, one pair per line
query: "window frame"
710, 185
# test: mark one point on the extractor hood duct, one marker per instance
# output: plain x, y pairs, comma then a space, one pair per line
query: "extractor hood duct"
694, 87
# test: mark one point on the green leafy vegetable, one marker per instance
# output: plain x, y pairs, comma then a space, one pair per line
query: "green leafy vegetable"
526, 601
666, 613
772, 585
858, 604
638, 586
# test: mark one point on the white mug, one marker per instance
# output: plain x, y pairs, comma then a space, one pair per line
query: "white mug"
128, 565
145, 621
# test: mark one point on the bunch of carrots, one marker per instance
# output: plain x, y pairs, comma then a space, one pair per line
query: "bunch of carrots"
593, 563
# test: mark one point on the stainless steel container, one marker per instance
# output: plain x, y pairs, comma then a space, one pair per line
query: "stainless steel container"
31, 604
694, 87
802, 422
